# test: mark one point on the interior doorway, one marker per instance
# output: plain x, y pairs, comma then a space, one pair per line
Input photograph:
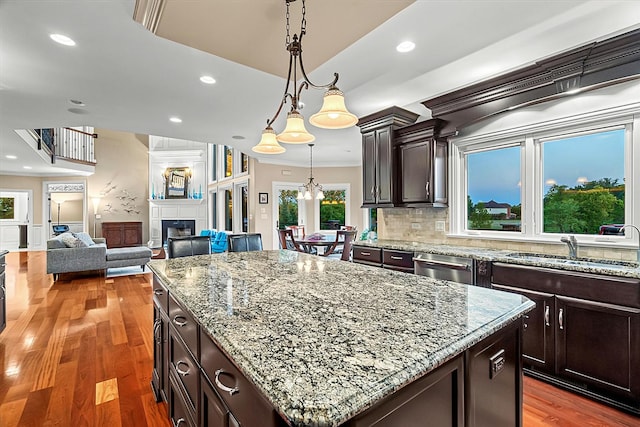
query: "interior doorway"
65, 207
287, 209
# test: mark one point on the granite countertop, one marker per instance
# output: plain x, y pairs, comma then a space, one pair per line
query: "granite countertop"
585, 265
326, 339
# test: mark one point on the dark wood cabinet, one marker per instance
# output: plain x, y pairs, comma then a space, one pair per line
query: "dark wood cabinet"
422, 171
213, 413
122, 234
378, 155
3, 294
584, 332
598, 345
391, 259
160, 373
538, 346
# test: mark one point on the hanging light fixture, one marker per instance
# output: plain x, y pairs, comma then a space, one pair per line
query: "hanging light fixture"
332, 115
311, 189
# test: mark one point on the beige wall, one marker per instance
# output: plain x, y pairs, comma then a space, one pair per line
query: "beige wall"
265, 174
121, 178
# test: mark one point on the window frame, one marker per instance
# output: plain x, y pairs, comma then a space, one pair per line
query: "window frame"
530, 137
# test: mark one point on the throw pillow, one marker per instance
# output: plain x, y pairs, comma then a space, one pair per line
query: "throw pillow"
84, 238
70, 240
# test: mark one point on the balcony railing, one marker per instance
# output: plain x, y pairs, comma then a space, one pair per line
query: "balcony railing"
67, 143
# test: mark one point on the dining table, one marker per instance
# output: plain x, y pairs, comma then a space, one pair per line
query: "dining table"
316, 240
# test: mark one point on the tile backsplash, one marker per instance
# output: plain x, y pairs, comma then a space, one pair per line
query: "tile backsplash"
420, 225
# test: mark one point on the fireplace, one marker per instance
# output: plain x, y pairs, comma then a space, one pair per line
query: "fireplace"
177, 227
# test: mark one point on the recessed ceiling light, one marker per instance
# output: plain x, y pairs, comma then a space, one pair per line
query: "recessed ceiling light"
238, 137
27, 167
11, 156
175, 119
62, 39
208, 80
77, 102
405, 46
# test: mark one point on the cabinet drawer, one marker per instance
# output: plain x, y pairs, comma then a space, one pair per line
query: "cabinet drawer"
185, 326
245, 402
397, 258
185, 369
363, 253
160, 294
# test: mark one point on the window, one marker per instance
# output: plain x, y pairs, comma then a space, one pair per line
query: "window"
242, 193
244, 163
228, 210
493, 189
548, 180
583, 182
373, 219
214, 162
333, 211
228, 161
214, 209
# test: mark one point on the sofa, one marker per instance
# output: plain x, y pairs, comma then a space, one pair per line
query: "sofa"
73, 252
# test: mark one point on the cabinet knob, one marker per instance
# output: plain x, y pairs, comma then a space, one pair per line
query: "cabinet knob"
183, 372
180, 323
230, 390
560, 319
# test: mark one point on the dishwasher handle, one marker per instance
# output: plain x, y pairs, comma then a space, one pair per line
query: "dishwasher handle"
452, 265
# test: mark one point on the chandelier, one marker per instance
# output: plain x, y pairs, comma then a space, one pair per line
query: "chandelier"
308, 190
332, 115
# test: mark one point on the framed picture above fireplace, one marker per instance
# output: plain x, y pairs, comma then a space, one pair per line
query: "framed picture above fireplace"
177, 183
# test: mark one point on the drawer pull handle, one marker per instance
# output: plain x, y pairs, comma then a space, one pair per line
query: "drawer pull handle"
180, 322
180, 421
365, 253
230, 390
560, 319
396, 257
158, 292
546, 316
180, 371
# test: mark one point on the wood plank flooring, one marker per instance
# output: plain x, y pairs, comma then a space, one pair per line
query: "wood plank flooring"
78, 352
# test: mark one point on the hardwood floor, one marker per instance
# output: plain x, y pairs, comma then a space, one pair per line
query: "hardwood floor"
78, 352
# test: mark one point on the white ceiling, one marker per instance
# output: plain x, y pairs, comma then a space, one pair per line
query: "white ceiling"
132, 80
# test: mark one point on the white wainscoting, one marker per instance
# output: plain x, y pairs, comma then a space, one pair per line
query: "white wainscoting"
180, 209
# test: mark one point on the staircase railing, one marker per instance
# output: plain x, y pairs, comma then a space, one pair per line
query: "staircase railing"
67, 143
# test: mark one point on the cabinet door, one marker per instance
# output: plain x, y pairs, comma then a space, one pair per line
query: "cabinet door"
415, 167
213, 413
159, 374
369, 168
132, 234
598, 345
384, 166
538, 344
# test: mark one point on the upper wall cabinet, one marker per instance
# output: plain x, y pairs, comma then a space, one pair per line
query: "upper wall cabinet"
379, 162
422, 165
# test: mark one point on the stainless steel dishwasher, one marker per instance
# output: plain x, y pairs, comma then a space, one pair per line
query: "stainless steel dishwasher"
445, 267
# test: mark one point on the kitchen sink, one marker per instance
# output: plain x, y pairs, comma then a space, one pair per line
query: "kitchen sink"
583, 262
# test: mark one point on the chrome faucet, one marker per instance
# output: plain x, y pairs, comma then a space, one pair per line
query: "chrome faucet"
638, 251
573, 246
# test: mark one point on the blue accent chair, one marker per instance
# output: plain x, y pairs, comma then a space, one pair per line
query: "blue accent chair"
218, 242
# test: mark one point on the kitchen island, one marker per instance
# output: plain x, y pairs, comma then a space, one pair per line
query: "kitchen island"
319, 342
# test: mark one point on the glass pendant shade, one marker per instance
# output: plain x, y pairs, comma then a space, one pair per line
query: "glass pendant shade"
334, 113
268, 143
295, 132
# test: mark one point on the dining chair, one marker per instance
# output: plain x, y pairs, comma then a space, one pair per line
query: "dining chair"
181, 246
244, 242
298, 231
288, 241
342, 245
